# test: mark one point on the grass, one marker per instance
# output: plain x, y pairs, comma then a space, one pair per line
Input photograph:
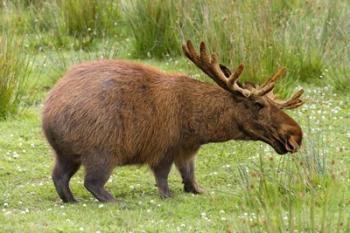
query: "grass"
310, 38
307, 37
153, 27
14, 69
62, 24
248, 187
88, 20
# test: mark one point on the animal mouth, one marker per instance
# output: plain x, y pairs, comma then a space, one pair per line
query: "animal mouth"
279, 147
283, 146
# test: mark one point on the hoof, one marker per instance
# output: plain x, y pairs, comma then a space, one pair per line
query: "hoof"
164, 195
193, 188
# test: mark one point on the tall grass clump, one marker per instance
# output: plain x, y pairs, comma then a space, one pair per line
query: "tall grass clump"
154, 27
86, 20
302, 193
14, 69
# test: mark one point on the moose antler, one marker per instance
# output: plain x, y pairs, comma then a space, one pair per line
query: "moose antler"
210, 66
293, 102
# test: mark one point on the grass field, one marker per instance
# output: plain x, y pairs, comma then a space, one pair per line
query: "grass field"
248, 187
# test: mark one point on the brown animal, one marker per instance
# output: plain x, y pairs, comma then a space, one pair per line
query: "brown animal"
104, 114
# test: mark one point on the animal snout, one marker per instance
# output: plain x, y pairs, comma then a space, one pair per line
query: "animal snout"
293, 144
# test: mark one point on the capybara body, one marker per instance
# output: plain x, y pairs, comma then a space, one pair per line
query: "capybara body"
105, 114
109, 113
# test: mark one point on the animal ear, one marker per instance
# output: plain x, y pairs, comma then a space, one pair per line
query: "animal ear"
227, 72
259, 104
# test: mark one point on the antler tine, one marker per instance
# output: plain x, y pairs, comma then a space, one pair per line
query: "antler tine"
234, 77
293, 102
270, 83
280, 72
297, 94
190, 52
232, 81
203, 53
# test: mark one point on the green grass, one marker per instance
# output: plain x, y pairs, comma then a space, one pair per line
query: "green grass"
307, 37
153, 26
86, 20
62, 24
249, 188
14, 70
310, 38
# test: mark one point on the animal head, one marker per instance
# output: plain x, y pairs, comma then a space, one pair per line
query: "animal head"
261, 115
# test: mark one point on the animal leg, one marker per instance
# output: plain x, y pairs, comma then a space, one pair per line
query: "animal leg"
186, 169
98, 171
161, 172
64, 169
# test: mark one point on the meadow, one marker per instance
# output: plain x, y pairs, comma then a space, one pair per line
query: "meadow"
248, 187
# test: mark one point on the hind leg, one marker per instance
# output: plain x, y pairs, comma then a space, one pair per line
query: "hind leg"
64, 169
98, 170
186, 169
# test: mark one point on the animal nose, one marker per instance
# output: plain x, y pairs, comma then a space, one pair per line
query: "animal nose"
293, 144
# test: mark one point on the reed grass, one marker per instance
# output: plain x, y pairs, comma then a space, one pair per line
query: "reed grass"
14, 70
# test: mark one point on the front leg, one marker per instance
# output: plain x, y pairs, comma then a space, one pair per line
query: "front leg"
161, 172
186, 169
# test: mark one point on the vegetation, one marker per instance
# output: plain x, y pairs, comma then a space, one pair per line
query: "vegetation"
248, 187
154, 26
13, 75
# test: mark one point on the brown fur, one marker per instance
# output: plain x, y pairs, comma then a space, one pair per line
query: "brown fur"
105, 114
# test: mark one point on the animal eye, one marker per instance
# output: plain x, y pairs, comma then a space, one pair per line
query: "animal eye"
259, 105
